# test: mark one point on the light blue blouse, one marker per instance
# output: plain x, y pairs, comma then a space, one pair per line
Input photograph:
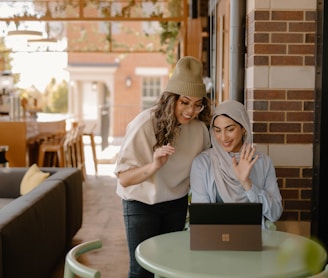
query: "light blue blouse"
264, 189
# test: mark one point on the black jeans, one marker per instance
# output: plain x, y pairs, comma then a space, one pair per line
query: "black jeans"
143, 221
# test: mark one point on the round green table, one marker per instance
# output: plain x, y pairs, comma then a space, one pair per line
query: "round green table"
282, 255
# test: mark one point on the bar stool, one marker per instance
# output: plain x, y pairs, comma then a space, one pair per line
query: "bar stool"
53, 152
90, 134
3, 160
77, 147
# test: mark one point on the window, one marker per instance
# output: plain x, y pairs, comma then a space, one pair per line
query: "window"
151, 89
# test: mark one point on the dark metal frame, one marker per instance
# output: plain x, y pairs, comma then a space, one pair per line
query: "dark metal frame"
319, 223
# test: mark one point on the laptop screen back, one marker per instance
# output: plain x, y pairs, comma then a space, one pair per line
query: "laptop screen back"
225, 226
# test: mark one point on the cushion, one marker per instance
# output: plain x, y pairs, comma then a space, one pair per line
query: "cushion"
32, 178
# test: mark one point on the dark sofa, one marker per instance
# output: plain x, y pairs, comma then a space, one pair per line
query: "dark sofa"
36, 229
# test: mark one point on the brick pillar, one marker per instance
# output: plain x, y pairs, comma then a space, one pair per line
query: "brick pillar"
280, 87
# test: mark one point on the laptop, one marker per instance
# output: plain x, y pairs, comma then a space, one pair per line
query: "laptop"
225, 226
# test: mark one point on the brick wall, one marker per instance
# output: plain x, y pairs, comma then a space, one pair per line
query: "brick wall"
281, 38
280, 95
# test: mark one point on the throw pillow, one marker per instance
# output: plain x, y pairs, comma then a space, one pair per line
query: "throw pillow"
32, 178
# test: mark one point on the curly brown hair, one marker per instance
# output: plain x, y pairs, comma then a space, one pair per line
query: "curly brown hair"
165, 123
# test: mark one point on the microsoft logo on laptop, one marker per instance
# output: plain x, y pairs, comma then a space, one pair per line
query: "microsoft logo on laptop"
225, 237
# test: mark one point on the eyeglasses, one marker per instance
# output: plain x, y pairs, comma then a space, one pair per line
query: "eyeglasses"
197, 107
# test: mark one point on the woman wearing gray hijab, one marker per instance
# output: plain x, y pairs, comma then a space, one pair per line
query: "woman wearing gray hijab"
232, 171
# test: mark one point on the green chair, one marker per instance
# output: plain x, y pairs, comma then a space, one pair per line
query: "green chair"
322, 274
73, 267
311, 253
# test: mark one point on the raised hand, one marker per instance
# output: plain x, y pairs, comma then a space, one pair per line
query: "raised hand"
243, 167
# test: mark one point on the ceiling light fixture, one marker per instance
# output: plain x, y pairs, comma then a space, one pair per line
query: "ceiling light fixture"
25, 34
42, 42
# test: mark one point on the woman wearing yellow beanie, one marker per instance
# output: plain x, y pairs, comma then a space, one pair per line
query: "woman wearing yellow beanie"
154, 162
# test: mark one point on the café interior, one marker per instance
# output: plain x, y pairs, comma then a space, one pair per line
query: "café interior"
235, 41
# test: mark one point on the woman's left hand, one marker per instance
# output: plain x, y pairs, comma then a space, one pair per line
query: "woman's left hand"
243, 168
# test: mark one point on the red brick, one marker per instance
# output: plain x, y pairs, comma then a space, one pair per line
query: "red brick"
299, 116
261, 15
307, 172
269, 116
269, 94
301, 49
308, 127
310, 15
295, 31
302, 95
260, 105
299, 139
287, 15
284, 127
287, 172
261, 38
297, 205
286, 105
269, 138
309, 60
270, 49
260, 127
287, 38
286, 61
310, 38
306, 194
289, 193
308, 105
302, 27
261, 60
268, 26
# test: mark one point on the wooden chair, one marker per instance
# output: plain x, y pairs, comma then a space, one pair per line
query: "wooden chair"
89, 132
63, 150
76, 147
74, 267
52, 151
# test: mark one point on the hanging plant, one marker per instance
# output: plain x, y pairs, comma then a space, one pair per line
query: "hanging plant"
170, 30
169, 39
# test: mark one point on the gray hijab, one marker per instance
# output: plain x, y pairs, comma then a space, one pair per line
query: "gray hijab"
226, 182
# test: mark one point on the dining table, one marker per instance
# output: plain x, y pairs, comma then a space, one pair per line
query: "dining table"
283, 255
